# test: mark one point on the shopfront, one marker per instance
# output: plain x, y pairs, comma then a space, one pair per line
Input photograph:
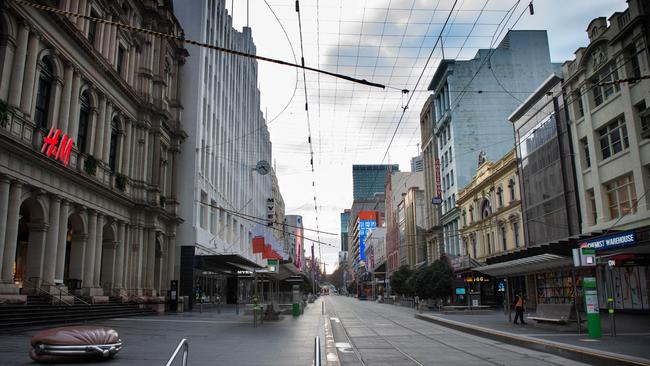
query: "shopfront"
623, 271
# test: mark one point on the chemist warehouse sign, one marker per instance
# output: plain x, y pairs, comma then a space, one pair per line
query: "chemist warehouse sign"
623, 239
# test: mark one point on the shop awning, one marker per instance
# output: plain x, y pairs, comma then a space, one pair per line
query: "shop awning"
537, 263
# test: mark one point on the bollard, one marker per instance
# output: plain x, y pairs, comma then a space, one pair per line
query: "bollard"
317, 351
322, 308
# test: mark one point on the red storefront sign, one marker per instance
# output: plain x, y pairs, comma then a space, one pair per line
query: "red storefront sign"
58, 150
438, 185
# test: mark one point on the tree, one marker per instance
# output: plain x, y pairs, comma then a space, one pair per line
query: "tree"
399, 281
336, 278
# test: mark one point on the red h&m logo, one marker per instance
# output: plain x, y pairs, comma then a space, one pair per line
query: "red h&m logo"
52, 147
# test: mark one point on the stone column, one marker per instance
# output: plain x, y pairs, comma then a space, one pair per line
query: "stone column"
89, 254
139, 265
99, 128
11, 236
30, 74
51, 246
132, 65
174, 173
82, 10
18, 68
126, 150
171, 258
151, 257
63, 238
119, 263
64, 109
5, 187
155, 164
92, 131
36, 252
5, 69
73, 125
113, 46
99, 245
56, 108
107, 132
145, 156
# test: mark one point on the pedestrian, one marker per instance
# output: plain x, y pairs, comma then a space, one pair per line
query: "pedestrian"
519, 307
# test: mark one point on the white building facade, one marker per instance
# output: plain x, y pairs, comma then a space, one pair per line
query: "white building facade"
105, 222
227, 138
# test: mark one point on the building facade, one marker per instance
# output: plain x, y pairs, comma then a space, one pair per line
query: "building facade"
415, 248
417, 164
104, 221
469, 116
345, 218
432, 182
227, 137
610, 127
491, 226
546, 168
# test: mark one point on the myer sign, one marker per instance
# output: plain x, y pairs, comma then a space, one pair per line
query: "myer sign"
611, 241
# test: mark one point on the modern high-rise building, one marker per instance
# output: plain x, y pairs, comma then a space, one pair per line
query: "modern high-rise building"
470, 115
417, 164
345, 218
227, 138
369, 180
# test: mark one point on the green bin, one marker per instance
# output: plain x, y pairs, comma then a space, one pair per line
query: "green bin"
295, 309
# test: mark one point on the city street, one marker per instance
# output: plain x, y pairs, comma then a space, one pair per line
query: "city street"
389, 335
365, 333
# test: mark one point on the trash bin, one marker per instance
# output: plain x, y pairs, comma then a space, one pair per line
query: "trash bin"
180, 307
295, 310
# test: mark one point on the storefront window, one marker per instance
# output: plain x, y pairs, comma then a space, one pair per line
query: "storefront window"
555, 288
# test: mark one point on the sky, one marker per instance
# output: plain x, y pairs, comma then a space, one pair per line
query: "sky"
383, 41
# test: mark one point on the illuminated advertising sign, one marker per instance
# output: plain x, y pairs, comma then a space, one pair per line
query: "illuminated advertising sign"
298, 233
623, 239
55, 149
367, 222
438, 185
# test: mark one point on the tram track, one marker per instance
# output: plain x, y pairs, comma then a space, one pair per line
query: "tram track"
438, 341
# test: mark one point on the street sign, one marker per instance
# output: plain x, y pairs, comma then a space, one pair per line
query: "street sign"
436, 200
591, 306
272, 265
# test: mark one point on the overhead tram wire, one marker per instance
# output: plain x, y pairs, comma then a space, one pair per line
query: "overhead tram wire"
264, 222
309, 137
295, 60
182, 39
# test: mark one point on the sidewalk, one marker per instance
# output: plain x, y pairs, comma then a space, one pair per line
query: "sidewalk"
630, 346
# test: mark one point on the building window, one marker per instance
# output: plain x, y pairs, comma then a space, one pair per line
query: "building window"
503, 238
464, 215
450, 156
500, 197
585, 150
43, 94
471, 214
92, 29
633, 66
84, 116
593, 213
486, 209
451, 176
511, 188
120, 60
603, 92
515, 232
613, 137
489, 243
644, 117
580, 107
621, 195
112, 154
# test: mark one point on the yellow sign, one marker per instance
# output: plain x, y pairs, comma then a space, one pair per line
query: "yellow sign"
477, 279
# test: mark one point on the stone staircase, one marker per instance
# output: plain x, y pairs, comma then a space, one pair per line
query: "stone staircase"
39, 310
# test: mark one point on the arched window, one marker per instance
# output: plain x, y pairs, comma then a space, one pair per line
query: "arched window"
511, 186
486, 209
84, 118
113, 150
44, 94
504, 238
464, 214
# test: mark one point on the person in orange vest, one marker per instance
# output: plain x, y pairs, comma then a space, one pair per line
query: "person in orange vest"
519, 307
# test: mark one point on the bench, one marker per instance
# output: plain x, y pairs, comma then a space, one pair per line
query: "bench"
555, 313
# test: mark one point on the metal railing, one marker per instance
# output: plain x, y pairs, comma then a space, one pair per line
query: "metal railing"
317, 351
62, 292
186, 350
